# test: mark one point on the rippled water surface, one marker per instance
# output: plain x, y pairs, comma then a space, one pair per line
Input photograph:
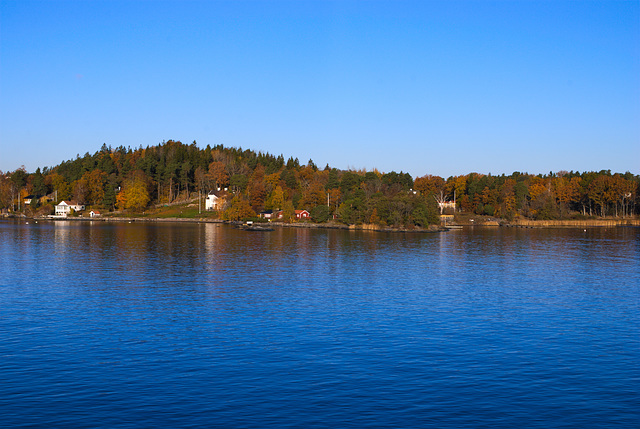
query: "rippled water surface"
200, 325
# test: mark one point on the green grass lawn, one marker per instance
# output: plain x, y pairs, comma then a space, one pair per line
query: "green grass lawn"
182, 211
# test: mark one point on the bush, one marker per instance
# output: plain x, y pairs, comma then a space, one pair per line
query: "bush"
320, 214
489, 210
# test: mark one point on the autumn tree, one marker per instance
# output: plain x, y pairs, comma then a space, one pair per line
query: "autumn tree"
80, 191
429, 184
201, 179
288, 211
601, 192
622, 192
218, 174
566, 191
271, 181
238, 209
314, 195
508, 198
276, 199
257, 194
58, 184
134, 194
306, 176
92, 183
335, 198
456, 186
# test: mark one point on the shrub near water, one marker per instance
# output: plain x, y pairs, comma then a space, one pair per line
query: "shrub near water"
320, 214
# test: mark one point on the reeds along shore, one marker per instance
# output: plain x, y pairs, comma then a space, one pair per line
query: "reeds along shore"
576, 223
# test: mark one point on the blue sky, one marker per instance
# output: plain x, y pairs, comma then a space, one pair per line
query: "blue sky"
425, 87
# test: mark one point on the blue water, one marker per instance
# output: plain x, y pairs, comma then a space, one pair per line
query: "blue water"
200, 325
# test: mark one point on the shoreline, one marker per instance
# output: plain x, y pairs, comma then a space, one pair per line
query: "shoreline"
304, 225
520, 223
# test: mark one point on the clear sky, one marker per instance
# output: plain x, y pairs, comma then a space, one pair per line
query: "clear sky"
426, 87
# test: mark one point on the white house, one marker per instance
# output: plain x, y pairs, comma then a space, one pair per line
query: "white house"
95, 213
65, 207
215, 200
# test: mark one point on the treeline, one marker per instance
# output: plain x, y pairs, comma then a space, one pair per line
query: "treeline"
132, 180
559, 195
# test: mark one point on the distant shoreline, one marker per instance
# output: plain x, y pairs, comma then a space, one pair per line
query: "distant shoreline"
306, 225
519, 223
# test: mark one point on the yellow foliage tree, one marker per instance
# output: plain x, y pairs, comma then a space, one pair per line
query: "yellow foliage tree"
276, 199
538, 187
134, 195
508, 196
272, 181
239, 209
288, 212
315, 195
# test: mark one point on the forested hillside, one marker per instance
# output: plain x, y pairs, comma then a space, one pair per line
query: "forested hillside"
124, 179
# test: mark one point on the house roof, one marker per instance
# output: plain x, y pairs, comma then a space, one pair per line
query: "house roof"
218, 194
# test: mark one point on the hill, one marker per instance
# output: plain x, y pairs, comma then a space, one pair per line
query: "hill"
246, 183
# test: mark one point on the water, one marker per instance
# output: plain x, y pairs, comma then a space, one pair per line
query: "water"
200, 325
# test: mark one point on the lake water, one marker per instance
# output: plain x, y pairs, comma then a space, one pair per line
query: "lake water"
201, 325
